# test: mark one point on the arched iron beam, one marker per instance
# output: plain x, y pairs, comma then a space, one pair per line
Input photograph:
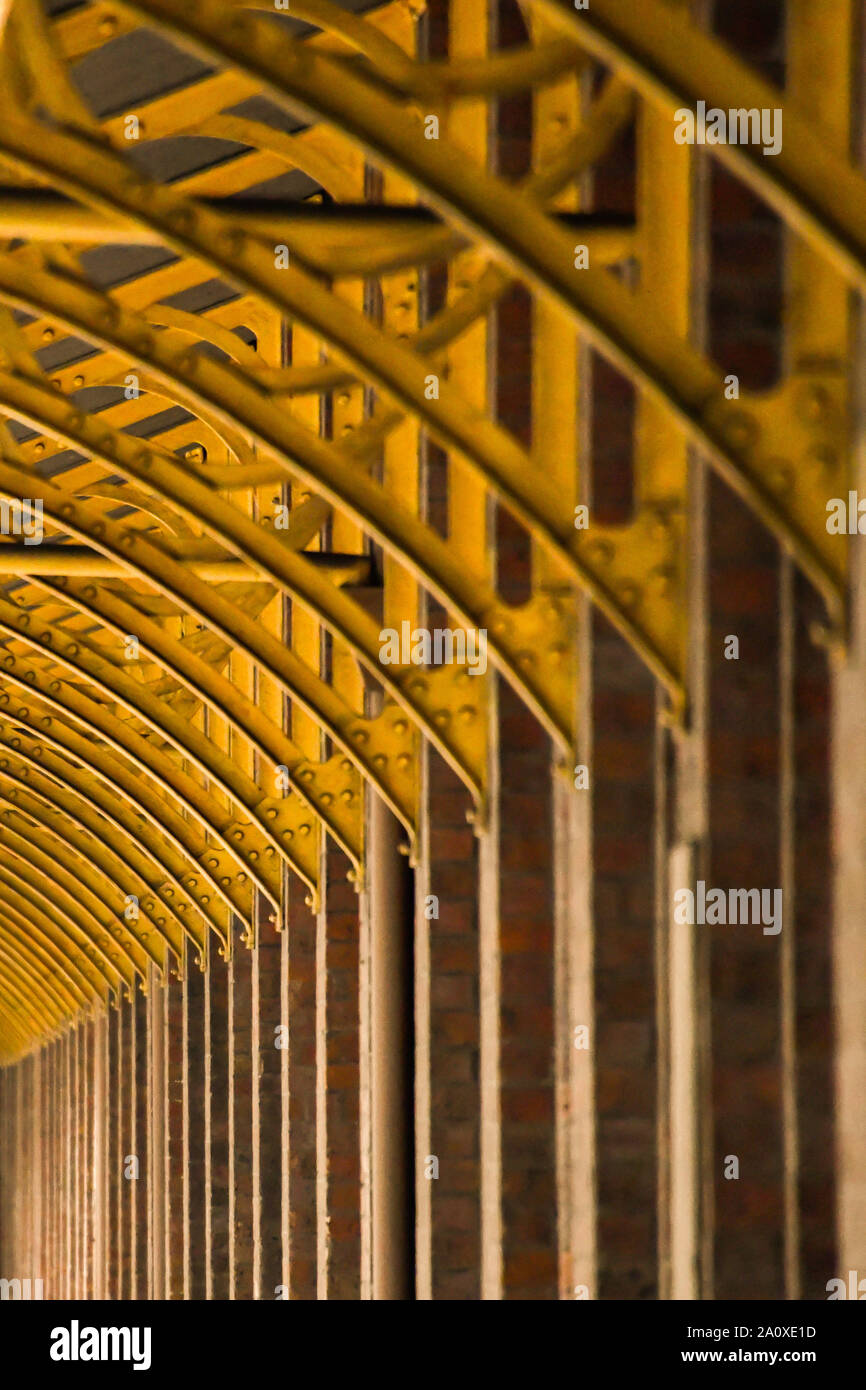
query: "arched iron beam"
21, 974
55, 805
338, 477
607, 117
15, 1045
107, 956
226, 436
41, 966
154, 769
34, 59
599, 128
77, 863
32, 1022
133, 789
16, 1038
69, 886
220, 695
499, 74
182, 323
674, 64
129, 826
83, 29
53, 848
127, 496
258, 547
79, 656
684, 383
62, 954
291, 150
50, 967
78, 989
609, 113
361, 740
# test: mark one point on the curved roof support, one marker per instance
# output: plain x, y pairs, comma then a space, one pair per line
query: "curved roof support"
499, 74
42, 968
674, 64
364, 741
232, 852
277, 821
80, 899
66, 815
110, 958
27, 1015
200, 877
142, 844
683, 382
223, 697
76, 861
337, 475
16, 1031
78, 989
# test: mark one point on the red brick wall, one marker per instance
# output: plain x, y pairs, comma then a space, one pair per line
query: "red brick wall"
744, 748
217, 1004
342, 1111
301, 1018
142, 1111
452, 862
174, 1124
241, 1070
746, 299
270, 1061
815, 1041
622, 790
525, 823
455, 1097
114, 1157
195, 1004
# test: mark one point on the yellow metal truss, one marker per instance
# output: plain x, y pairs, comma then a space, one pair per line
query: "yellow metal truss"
160, 791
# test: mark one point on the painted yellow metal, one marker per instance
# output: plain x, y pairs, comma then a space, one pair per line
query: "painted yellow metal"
465, 362
80, 563
450, 419
23, 945
221, 695
620, 323
277, 824
361, 740
65, 817
51, 946
556, 389
653, 542
147, 803
338, 477
671, 62
191, 777
347, 243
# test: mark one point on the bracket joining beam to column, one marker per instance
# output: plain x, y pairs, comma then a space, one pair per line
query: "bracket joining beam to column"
674, 64
512, 228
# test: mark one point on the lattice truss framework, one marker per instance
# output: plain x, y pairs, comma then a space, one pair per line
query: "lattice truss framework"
183, 367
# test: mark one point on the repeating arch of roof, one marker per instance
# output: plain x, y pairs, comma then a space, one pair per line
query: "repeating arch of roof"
150, 410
